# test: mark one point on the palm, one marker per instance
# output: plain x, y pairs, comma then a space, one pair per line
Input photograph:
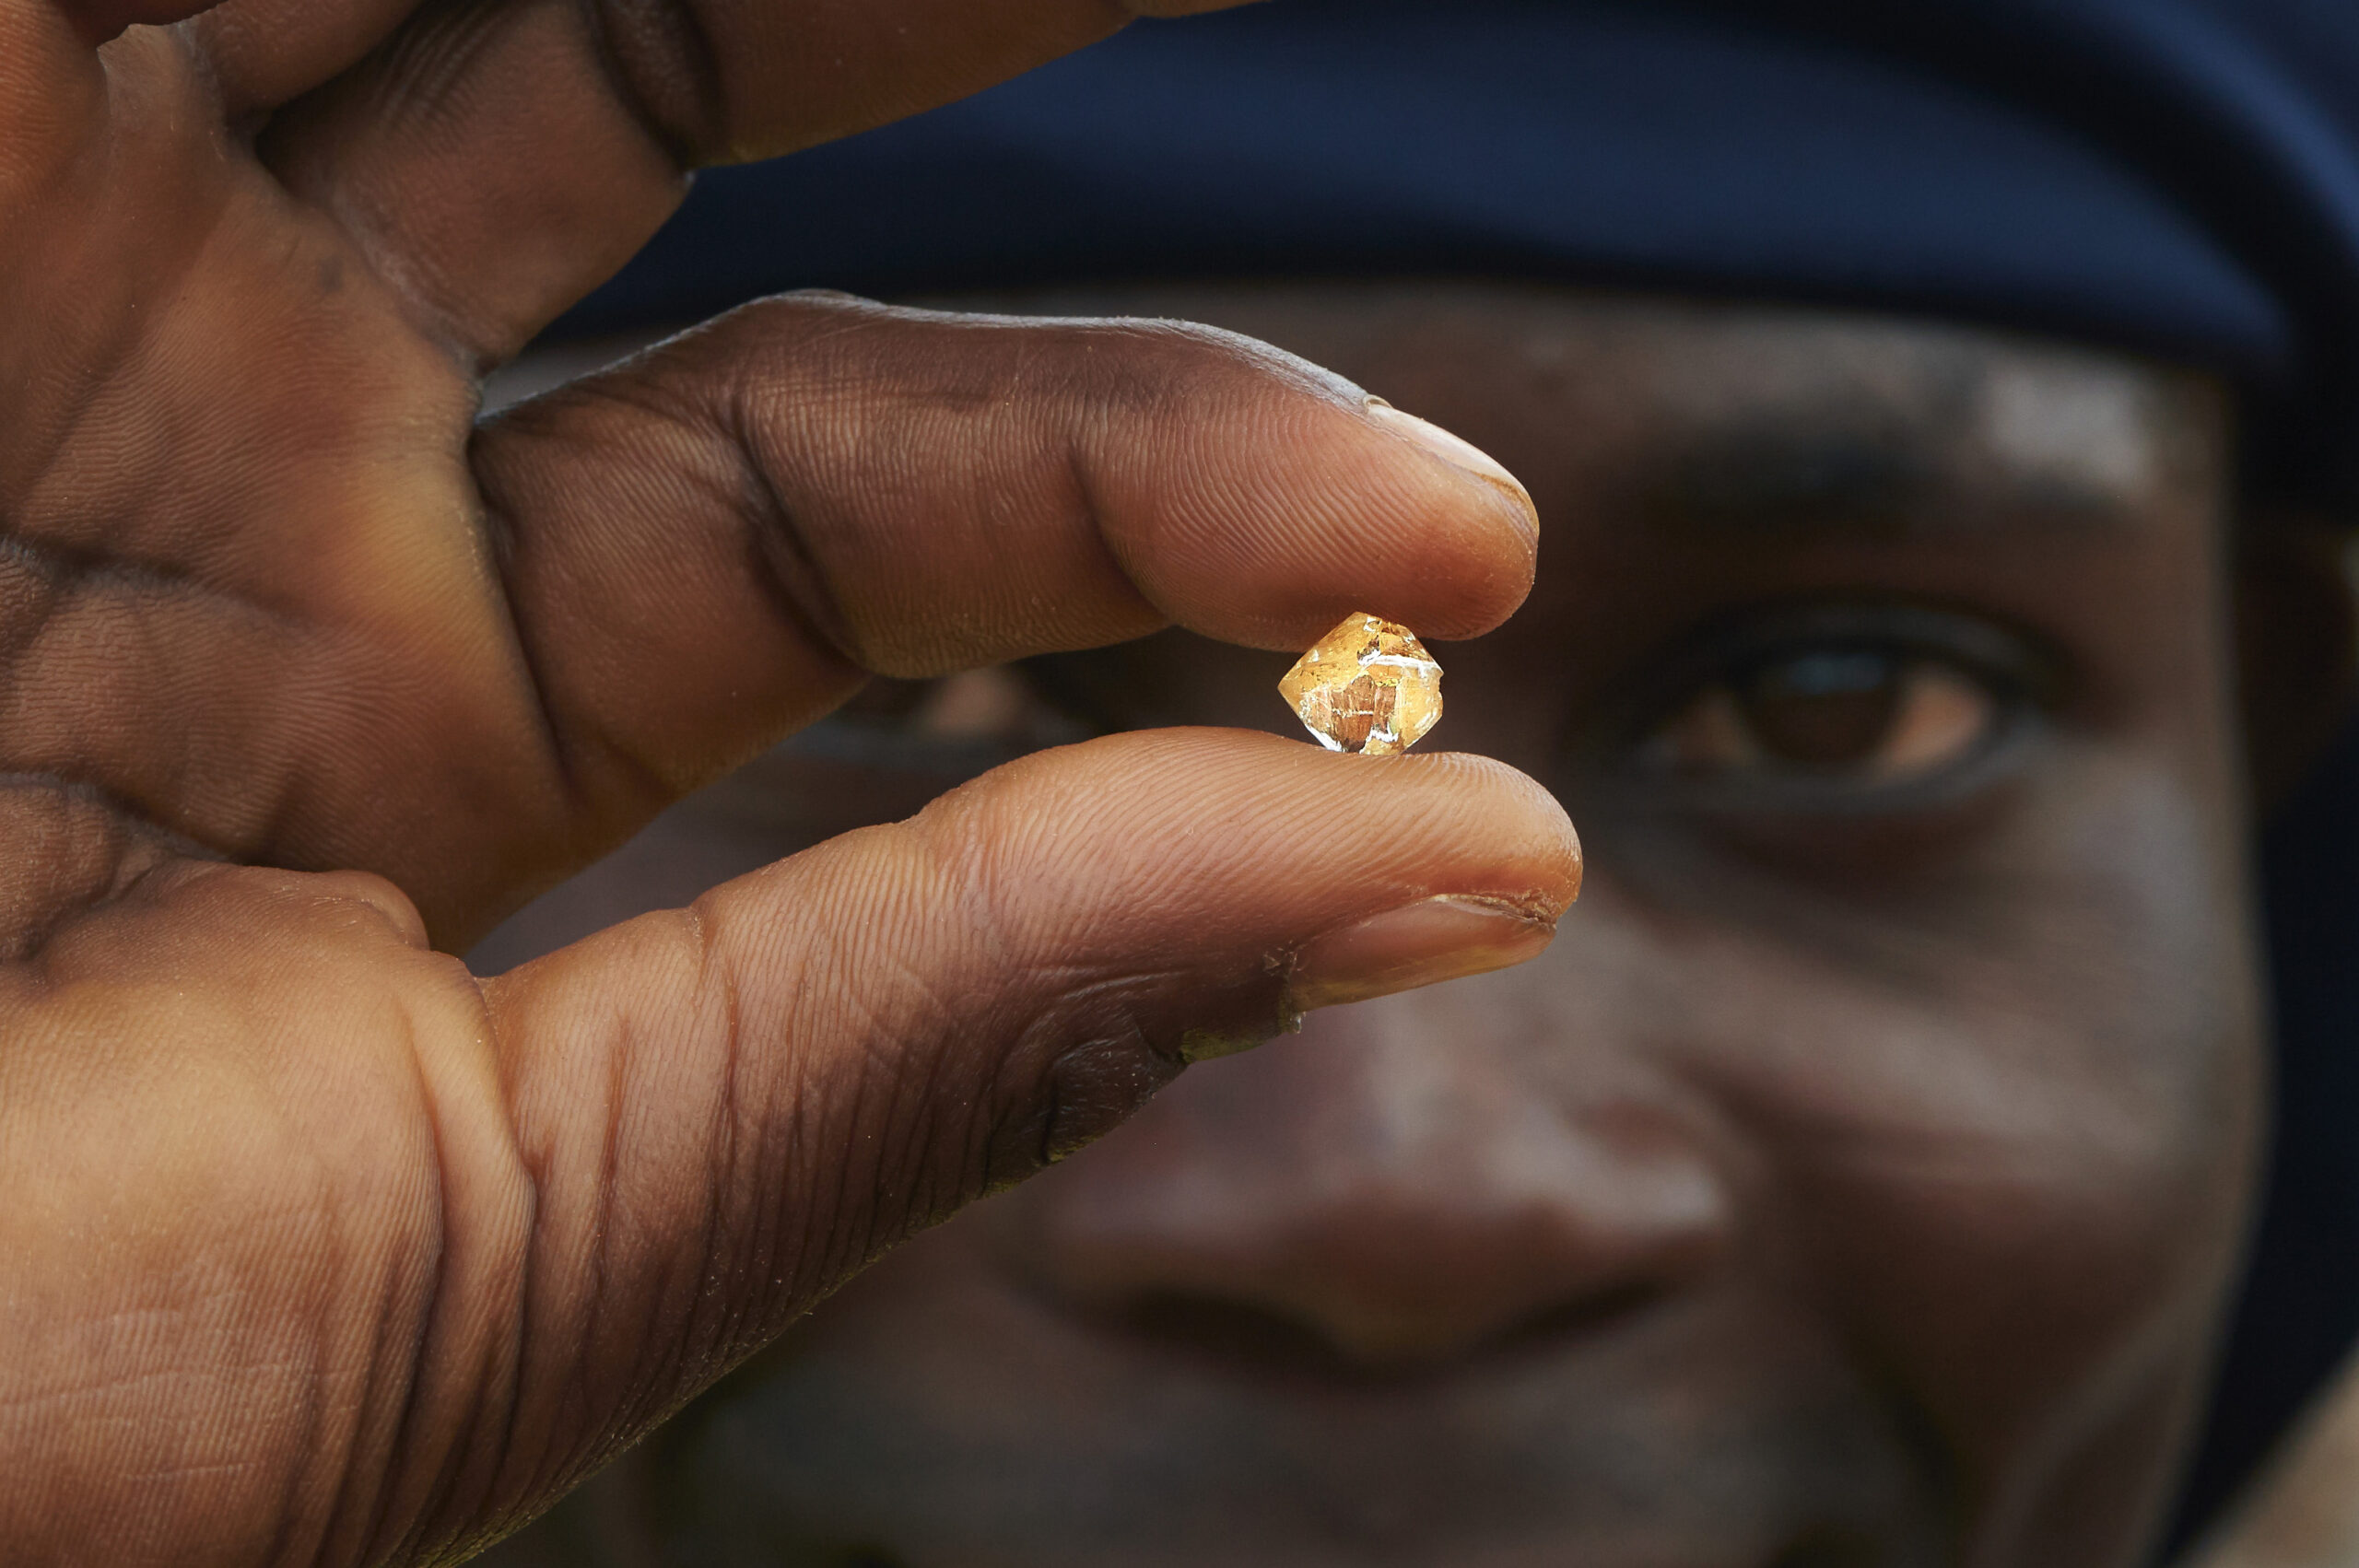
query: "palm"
253, 408
320, 1248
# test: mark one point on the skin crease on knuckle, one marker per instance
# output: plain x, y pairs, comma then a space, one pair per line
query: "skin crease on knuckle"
1858, 1178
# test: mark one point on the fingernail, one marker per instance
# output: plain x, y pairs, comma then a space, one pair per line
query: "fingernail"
1456, 451
1440, 938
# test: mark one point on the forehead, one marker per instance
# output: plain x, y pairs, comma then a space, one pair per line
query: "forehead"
1751, 409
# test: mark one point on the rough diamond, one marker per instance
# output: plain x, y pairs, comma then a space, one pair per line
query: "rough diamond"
1368, 686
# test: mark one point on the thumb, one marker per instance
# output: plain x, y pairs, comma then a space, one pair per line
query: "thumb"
726, 1110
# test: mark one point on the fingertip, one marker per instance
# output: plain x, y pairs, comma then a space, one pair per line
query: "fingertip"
1523, 817
1443, 537
1458, 453
1425, 823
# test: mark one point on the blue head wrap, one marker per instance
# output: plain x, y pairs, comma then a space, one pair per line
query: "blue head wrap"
2174, 176
2178, 176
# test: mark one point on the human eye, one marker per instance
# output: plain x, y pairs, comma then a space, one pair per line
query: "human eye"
1839, 707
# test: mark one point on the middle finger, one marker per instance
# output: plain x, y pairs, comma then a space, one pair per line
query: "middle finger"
499, 160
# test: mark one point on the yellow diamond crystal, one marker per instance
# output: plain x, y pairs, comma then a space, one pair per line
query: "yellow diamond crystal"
1368, 686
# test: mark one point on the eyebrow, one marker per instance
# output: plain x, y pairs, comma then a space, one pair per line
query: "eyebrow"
1888, 474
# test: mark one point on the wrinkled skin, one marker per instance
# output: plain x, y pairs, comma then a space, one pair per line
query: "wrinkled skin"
1858, 1178
319, 1249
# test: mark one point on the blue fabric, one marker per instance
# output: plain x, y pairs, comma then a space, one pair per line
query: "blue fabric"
2176, 176
1342, 136
2172, 175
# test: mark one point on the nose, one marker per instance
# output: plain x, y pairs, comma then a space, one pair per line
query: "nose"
1383, 1192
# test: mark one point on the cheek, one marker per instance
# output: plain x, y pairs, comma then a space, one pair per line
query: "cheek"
1998, 1130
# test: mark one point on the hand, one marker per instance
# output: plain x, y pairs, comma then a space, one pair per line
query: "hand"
319, 1249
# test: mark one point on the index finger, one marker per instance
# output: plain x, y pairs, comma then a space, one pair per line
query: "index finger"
266, 52
495, 161
708, 546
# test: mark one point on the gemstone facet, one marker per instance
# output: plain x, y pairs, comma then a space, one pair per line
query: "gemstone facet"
1368, 686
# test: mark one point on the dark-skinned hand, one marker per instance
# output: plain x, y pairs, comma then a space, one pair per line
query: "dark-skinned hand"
317, 1249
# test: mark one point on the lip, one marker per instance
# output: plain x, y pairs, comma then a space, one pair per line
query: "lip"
1221, 1341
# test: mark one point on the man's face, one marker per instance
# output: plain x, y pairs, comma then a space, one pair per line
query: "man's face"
1856, 1181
